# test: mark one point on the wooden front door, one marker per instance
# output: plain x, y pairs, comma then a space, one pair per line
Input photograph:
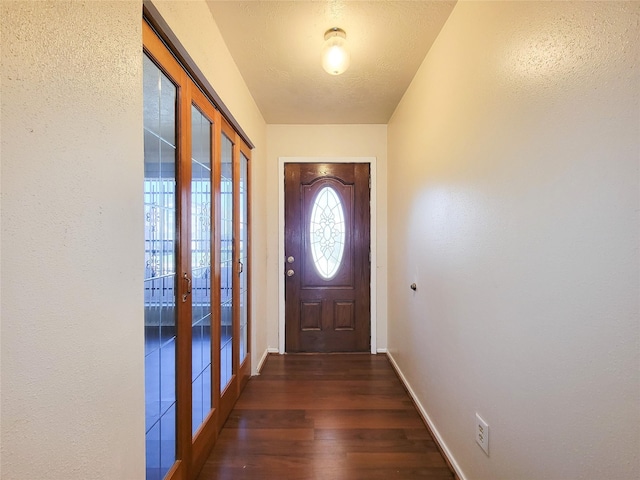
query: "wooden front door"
327, 264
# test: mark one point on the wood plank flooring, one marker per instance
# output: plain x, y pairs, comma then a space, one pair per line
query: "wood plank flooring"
330, 417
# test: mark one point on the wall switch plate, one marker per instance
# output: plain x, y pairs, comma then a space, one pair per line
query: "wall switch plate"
482, 434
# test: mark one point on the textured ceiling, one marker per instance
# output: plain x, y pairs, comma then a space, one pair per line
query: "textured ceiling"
277, 45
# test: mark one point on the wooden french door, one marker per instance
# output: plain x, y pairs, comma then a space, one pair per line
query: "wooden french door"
196, 311
232, 239
327, 259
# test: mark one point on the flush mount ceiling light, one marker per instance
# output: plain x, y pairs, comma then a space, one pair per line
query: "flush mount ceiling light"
335, 56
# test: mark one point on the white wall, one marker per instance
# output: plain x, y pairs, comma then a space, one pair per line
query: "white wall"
72, 338
325, 141
72, 352
514, 200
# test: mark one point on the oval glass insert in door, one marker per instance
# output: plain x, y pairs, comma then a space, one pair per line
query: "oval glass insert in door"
327, 232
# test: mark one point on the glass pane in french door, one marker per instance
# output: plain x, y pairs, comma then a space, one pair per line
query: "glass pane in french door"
226, 262
201, 267
243, 255
160, 269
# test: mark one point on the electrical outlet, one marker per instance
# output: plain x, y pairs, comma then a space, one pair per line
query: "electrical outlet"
482, 434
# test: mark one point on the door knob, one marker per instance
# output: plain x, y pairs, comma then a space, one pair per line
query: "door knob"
290, 273
290, 259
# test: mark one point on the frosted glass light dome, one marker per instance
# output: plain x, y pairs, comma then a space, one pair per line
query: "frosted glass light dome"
335, 56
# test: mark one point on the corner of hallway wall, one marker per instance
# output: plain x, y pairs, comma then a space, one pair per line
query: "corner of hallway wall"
195, 27
325, 141
513, 205
72, 379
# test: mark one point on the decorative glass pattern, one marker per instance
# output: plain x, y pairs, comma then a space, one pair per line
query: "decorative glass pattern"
243, 255
201, 268
327, 232
226, 262
160, 97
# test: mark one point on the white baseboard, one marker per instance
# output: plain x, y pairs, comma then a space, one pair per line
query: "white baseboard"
423, 413
381, 350
261, 362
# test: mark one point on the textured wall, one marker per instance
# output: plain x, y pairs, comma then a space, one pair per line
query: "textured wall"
513, 203
325, 141
72, 360
72, 377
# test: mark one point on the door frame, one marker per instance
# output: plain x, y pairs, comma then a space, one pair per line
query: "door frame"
373, 239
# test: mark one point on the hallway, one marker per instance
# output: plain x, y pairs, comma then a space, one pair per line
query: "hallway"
341, 416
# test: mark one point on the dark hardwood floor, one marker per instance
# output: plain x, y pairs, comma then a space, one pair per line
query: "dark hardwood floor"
333, 417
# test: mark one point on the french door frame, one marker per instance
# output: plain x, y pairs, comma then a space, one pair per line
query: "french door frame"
192, 449
281, 243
